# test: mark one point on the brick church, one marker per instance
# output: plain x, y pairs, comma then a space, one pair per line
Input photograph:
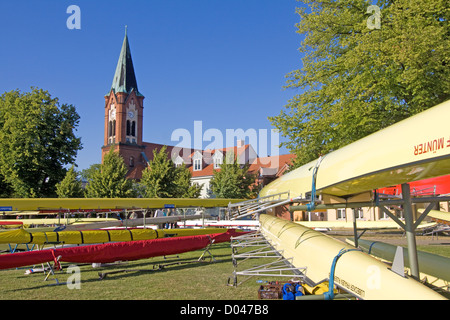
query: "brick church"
124, 106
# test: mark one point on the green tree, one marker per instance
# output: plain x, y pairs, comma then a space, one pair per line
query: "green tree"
5, 188
163, 180
233, 180
37, 141
70, 186
184, 187
109, 180
87, 174
356, 79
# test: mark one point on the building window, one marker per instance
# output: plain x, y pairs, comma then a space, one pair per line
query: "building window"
197, 164
341, 214
111, 131
359, 213
131, 162
112, 128
383, 215
217, 163
133, 129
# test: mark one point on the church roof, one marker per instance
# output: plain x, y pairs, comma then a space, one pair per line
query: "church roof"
125, 78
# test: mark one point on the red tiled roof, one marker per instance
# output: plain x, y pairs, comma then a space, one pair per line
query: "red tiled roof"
235, 150
205, 172
280, 162
208, 167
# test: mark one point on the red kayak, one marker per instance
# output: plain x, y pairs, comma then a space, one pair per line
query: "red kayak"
118, 251
11, 223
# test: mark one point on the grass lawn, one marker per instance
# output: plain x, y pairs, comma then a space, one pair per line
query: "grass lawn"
195, 281
442, 250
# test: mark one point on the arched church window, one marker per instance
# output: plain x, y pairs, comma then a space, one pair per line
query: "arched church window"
133, 129
128, 128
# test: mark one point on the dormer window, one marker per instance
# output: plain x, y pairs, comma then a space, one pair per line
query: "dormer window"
218, 159
217, 162
197, 159
197, 164
178, 162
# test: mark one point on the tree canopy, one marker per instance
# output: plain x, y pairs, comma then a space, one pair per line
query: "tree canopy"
70, 186
354, 79
108, 180
233, 180
161, 179
37, 142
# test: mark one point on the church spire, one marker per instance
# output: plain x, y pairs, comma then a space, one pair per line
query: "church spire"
125, 78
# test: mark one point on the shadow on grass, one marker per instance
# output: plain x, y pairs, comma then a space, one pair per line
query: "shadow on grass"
132, 269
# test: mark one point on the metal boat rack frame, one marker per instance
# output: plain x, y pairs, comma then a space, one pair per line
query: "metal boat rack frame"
434, 231
406, 201
409, 225
254, 246
254, 206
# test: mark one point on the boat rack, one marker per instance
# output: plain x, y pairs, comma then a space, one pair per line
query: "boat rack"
254, 246
435, 230
254, 206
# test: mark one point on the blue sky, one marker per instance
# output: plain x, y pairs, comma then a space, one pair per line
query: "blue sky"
219, 62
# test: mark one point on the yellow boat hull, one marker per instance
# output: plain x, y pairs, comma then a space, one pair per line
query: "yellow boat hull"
438, 216
338, 224
355, 271
414, 149
99, 236
109, 203
64, 221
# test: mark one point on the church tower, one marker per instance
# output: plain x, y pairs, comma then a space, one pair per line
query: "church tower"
124, 106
